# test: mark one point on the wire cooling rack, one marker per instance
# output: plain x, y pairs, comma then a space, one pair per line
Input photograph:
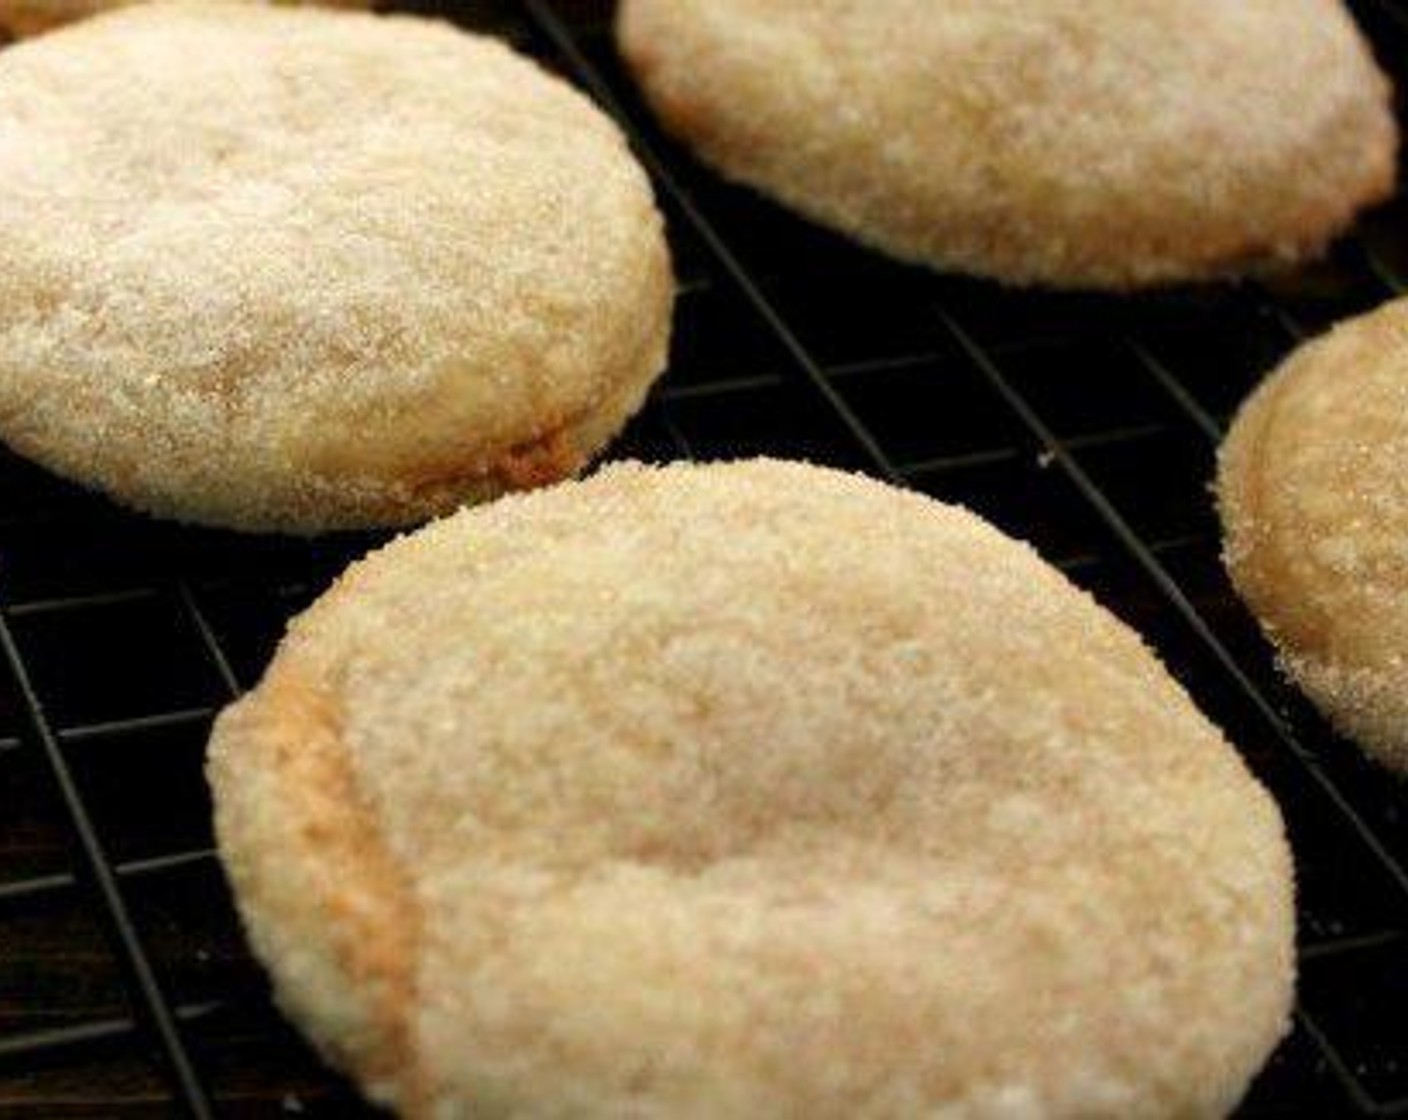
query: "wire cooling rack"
1083, 424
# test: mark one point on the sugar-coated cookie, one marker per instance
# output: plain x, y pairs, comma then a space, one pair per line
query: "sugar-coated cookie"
1313, 490
1078, 143
749, 790
298, 269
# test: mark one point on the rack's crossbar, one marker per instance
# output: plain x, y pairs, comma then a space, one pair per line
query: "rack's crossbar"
154, 1009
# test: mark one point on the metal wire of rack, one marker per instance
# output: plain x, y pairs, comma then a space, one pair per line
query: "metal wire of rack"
1084, 424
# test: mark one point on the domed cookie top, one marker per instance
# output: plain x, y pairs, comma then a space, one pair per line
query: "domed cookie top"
30, 17
1313, 490
301, 269
1088, 143
749, 790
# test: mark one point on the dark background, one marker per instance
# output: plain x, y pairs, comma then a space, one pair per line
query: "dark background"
1084, 424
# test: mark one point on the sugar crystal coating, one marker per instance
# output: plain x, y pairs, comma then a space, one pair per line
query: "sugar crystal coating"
31, 17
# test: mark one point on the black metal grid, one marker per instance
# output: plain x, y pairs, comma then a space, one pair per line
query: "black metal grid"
1081, 423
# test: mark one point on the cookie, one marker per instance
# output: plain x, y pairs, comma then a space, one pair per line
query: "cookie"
748, 790
293, 269
1313, 492
1072, 143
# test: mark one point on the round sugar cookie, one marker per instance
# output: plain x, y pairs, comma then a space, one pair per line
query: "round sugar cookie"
300, 270
748, 790
1074, 143
1313, 491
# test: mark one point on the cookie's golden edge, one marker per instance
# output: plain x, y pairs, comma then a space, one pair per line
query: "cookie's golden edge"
318, 890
